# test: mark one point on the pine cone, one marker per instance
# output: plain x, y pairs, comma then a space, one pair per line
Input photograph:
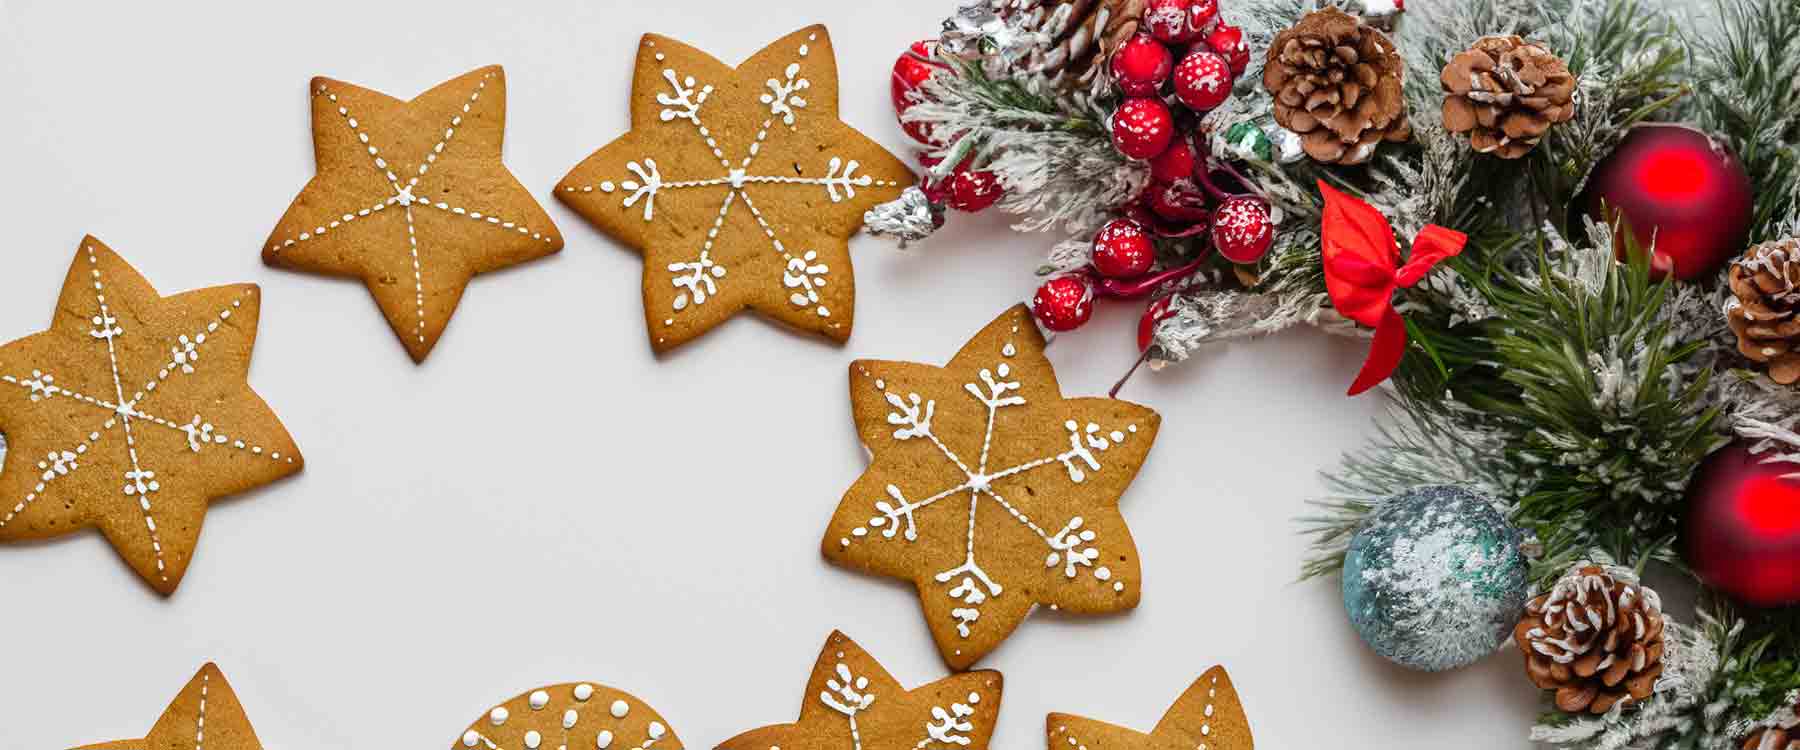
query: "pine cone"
1505, 93
1763, 312
1596, 639
1077, 36
1337, 83
1772, 738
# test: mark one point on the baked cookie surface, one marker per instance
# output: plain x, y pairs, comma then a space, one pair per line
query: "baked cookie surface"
205, 715
1207, 716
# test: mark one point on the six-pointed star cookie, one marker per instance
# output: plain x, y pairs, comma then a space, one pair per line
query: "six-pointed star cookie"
574, 716
131, 413
1206, 717
740, 187
206, 715
411, 198
990, 491
852, 703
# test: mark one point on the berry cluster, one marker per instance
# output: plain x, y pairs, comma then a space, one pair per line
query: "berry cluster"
966, 188
1179, 67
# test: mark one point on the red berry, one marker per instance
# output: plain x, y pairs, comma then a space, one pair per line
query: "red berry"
1203, 80
915, 66
1141, 65
1202, 15
974, 191
1228, 41
1167, 20
1242, 230
1157, 312
1123, 250
1142, 127
1180, 202
1064, 303
1176, 162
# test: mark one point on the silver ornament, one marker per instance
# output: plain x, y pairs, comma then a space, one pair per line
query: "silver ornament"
1287, 145
1435, 578
909, 218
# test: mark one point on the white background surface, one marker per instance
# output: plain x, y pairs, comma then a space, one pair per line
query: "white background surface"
544, 501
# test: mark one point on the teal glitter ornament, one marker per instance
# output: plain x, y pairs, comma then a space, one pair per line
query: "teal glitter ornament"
1435, 578
1245, 140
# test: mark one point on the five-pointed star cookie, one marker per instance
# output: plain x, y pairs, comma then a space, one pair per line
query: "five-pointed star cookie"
740, 187
411, 198
1206, 717
131, 413
851, 703
573, 716
990, 491
206, 715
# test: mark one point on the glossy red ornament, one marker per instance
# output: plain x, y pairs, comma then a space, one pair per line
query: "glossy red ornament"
1674, 184
1123, 250
1177, 162
1362, 272
1141, 65
915, 66
1242, 229
1142, 127
1742, 529
1228, 42
1203, 16
1064, 303
1169, 21
1203, 80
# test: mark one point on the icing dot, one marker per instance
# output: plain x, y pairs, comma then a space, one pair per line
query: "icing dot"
497, 716
569, 718
657, 730
470, 738
539, 699
603, 740
1103, 573
533, 739
583, 692
619, 709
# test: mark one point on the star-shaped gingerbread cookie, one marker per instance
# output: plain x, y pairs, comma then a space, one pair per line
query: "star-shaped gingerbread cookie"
411, 198
206, 715
851, 703
989, 491
1206, 717
740, 187
572, 716
131, 414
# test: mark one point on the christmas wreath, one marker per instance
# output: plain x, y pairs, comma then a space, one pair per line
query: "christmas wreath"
1571, 231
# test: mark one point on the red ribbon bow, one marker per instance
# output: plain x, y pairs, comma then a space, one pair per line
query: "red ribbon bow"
1362, 270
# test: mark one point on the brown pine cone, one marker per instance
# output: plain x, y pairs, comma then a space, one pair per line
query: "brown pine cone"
1772, 738
1078, 35
1505, 93
1765, 283
1596, 639
1337, 83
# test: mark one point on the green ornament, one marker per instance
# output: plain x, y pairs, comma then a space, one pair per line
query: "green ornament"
1249, 141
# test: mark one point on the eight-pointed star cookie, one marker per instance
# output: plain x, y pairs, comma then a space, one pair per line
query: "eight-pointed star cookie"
574, 716
132, 413
1206, 717
206, 715
851, 703
990, 491
411, 198
740, 187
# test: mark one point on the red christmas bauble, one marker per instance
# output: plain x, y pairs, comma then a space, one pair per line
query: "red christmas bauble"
1177, 162
1123, 250
1242, 230
1142, 127
1228, 41
1141, 65
1203, 80
915, 66
1675, 185
1742, 531
1169, 21
1064, 303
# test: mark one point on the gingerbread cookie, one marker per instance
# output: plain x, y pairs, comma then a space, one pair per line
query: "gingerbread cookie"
740, 187
990, 491
851, 703
575, 716
411, 198
1206, 717
131, 414
205, 715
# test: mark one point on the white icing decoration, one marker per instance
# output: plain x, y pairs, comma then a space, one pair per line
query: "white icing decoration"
583, 692
848, 694
603, 740
1072, 547
620, 709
